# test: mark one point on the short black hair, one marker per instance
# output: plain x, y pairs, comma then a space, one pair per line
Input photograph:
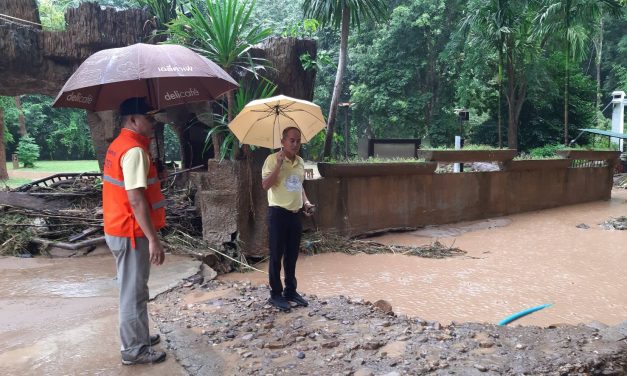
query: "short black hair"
136, 106
284, 134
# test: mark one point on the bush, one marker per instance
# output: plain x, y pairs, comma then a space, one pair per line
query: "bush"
27, 151
546, 151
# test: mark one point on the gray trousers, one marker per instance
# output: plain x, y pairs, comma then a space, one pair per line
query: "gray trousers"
133, 266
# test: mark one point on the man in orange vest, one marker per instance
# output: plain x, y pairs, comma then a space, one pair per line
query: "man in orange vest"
133, 211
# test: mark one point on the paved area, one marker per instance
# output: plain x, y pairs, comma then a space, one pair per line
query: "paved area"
59, 316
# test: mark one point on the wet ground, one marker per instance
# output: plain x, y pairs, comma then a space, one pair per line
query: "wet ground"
59, 316
512, 264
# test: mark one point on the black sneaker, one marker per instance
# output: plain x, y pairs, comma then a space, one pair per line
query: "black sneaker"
149, 356
154, 339
279, 302
296, 298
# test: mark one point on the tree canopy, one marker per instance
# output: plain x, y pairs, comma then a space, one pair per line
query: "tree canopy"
530, 72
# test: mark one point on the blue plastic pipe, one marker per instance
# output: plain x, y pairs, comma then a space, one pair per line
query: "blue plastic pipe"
520, 314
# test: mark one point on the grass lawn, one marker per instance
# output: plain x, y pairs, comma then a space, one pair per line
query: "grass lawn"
61, 166
12, 183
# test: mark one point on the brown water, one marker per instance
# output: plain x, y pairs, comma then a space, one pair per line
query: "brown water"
512, 264
60, 316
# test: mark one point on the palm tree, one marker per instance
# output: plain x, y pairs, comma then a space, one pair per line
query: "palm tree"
342, 14
221, 30
570, 22
489, 24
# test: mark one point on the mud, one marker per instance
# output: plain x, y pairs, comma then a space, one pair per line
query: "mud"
226, 328
60, 316
511, 264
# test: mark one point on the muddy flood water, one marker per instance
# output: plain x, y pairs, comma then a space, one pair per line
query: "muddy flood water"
512, 263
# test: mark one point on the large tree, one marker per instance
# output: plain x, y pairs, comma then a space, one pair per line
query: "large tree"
341, 14
570, 23
488, 24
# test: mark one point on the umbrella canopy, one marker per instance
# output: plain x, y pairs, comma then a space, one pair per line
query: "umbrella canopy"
262, 121
167, 74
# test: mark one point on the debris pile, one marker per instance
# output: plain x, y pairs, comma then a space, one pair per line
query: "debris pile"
318, 242
230, 329
619, 223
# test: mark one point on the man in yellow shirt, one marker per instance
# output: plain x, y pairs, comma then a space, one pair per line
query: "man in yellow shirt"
283, 174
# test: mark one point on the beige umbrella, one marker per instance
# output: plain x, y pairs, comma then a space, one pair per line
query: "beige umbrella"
262, 121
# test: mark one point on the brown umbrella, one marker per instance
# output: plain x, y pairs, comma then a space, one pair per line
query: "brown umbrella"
167, 74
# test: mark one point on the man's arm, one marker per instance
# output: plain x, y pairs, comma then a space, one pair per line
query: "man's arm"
309, 207
141, 211
272, 179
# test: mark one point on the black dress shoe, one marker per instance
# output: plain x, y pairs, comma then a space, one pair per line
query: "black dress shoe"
279, 302
296, 298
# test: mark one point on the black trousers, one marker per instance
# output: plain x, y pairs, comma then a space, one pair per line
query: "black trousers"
284, 232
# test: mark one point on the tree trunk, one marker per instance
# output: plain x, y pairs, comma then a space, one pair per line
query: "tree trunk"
337, 87
512, 129
567, 72
599, 48
4, 175
21, 120
566, 84
500, 83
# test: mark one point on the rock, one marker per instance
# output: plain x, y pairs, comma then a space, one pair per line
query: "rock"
247, 354
275, 345
300, 355
486, 344
330, 344
363, 372
520, 346
583, 226
384, 306
247, 337
480, 367
372, 345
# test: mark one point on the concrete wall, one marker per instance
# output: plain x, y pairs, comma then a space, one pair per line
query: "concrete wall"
358, 205
234, 205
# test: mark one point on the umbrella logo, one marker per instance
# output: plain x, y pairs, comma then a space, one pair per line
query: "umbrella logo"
175, 94
170, 68
78, 97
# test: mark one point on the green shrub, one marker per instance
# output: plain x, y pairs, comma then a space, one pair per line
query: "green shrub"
27, 151
546, 151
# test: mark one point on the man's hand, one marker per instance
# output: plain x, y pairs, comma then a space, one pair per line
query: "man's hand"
157, 255
310, 209
280, 157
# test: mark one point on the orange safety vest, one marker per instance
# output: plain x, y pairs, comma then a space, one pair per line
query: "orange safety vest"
119, 219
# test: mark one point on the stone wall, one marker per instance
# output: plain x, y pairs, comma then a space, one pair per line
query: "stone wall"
34, 61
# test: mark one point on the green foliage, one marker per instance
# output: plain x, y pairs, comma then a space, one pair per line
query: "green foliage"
245, 93
322, 59
546, 151
27, 151
277, 16
61, 133
171, 144
222, 31
52, 13
329, 12
301, 29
